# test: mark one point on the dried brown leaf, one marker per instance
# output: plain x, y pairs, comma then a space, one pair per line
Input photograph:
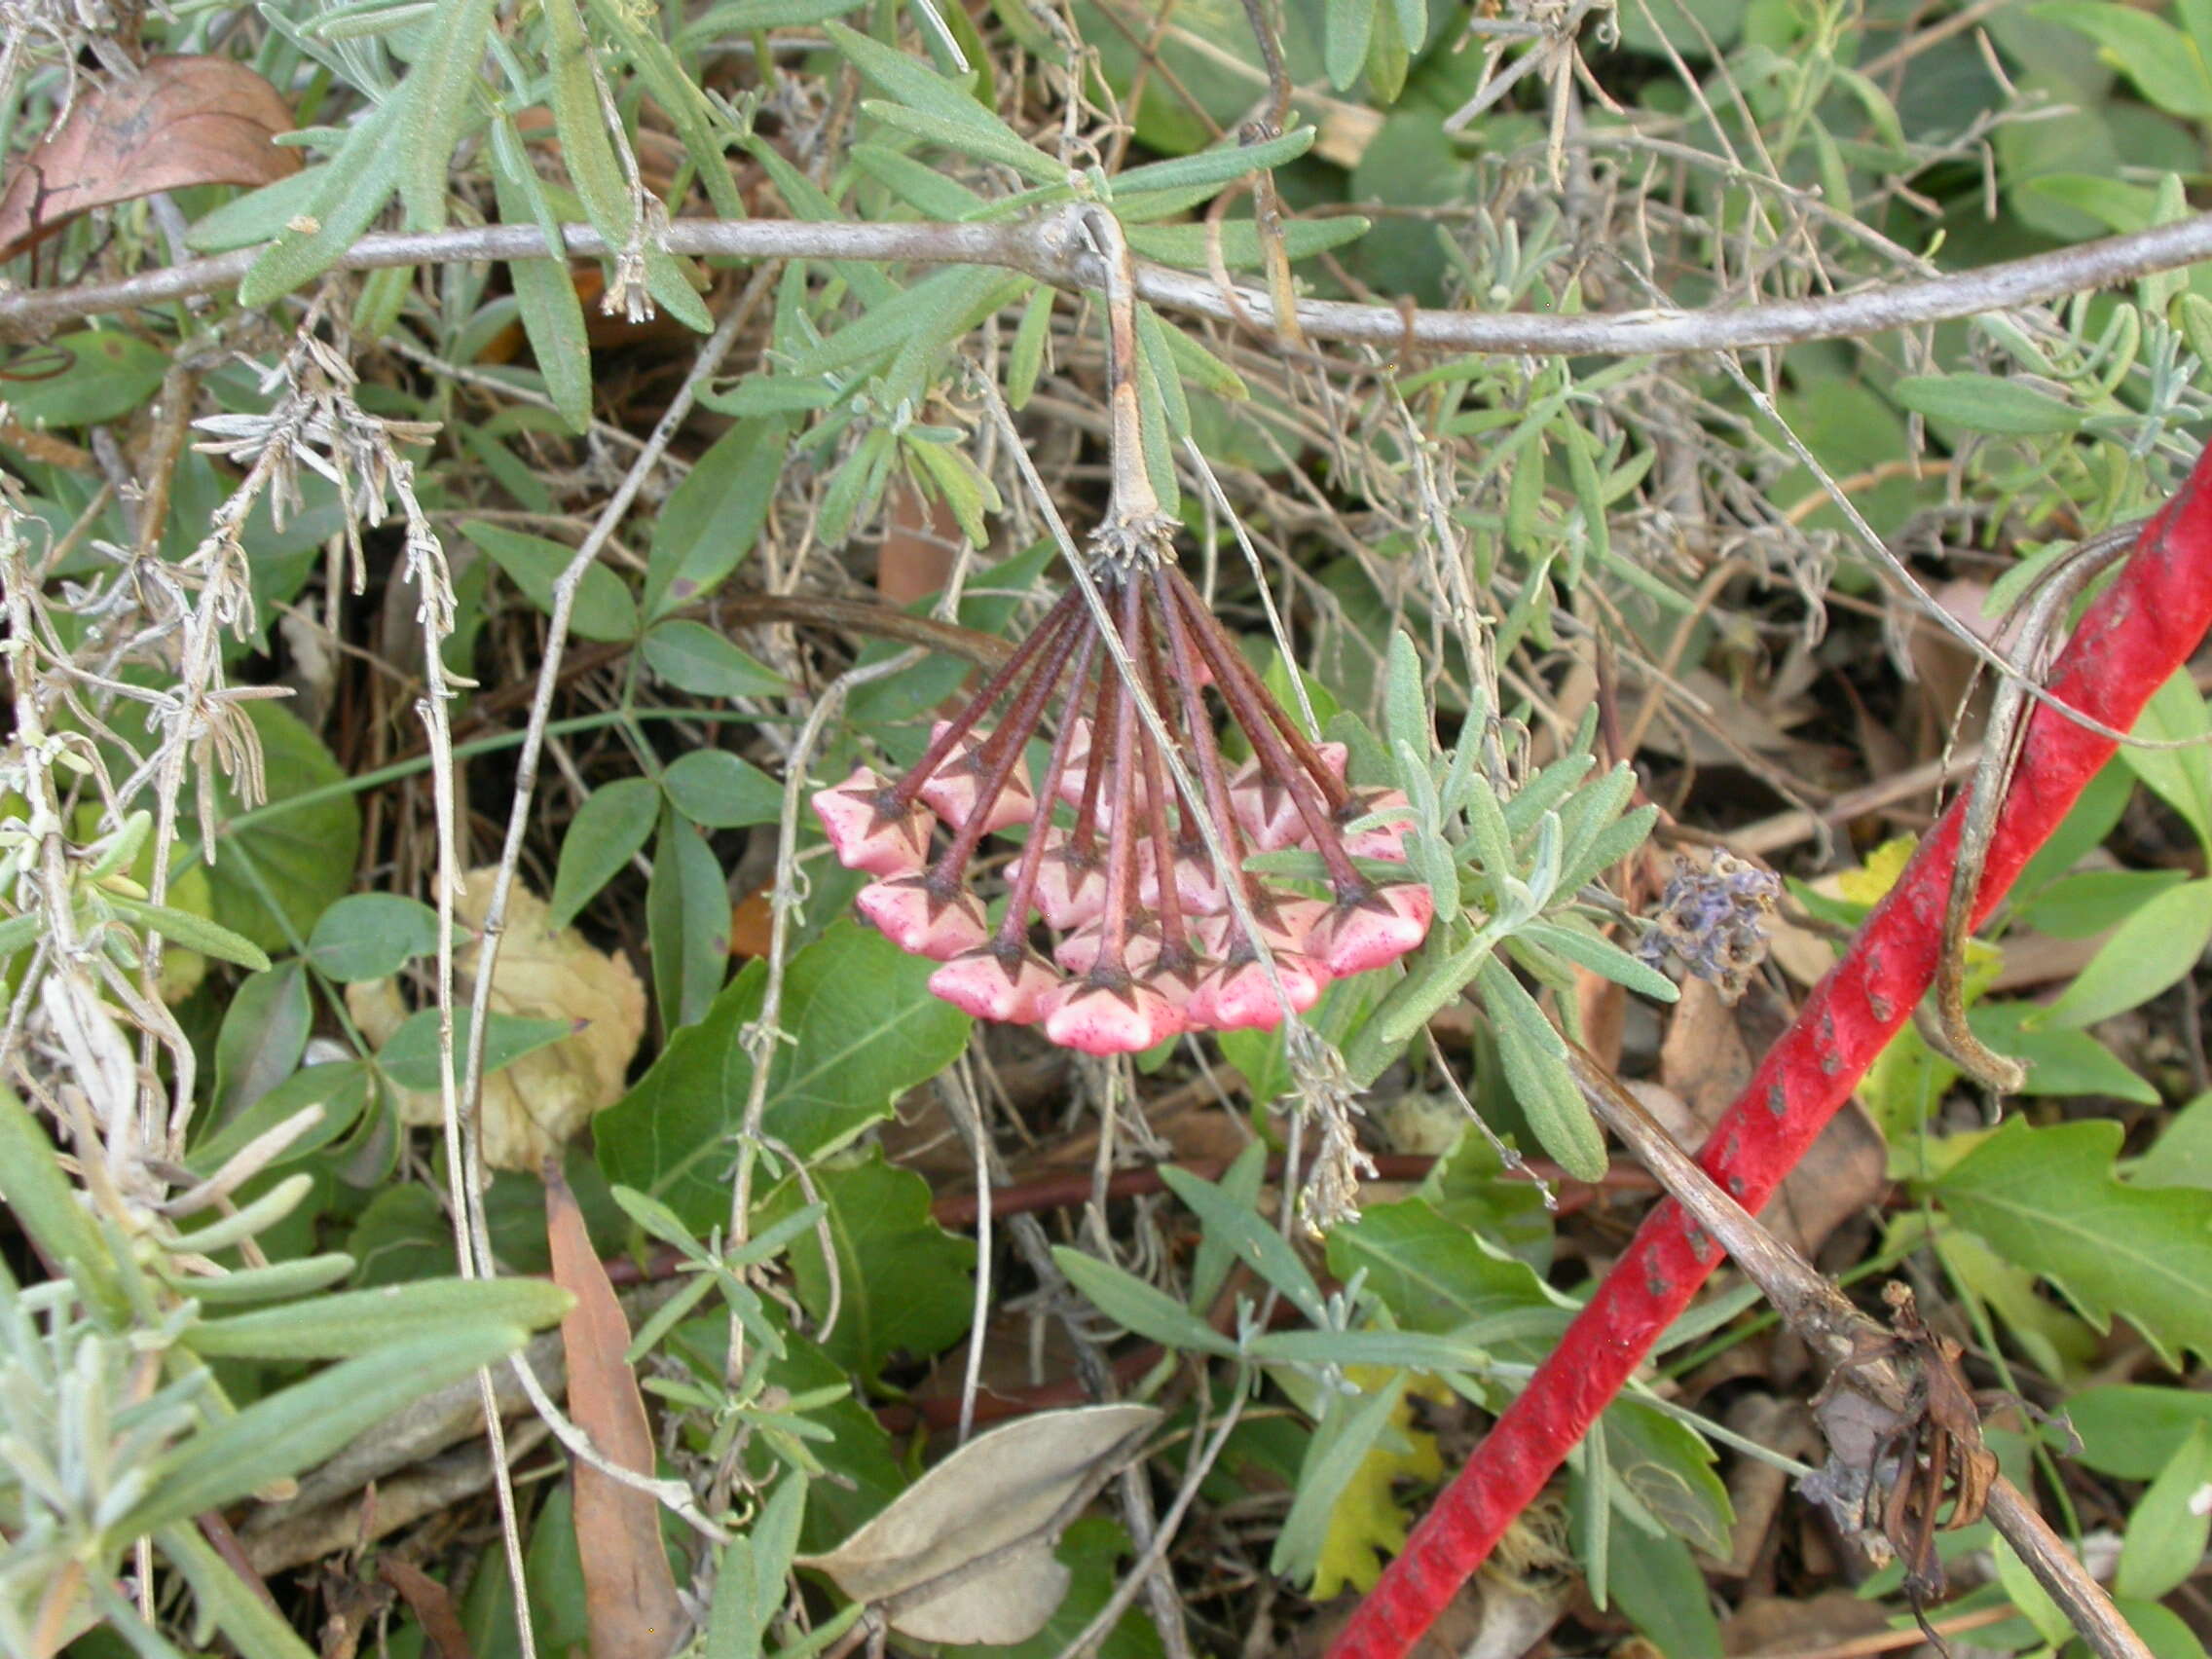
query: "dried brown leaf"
1002, 1496
629, 1593
181, 122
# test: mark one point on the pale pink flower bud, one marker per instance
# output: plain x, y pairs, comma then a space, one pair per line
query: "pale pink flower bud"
1236, 996
1197, 888
952, 789
1375, 931
867, 829
1100, 1018
997, 983
1071, 887
1382, 840
920, 920
1264, 806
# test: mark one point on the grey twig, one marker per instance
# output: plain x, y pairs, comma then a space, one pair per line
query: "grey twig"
1045, 248
1871, 1397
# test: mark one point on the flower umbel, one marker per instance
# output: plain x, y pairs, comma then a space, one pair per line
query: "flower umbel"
1119, 927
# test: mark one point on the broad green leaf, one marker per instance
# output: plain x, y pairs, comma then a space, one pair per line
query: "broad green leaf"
749, 1588
1656, 1581
903, 1282
2046, 1200
2132, 1431
2082, 907
409, 1057
1535, 1058
1131, 1303
603, 609
264, 1033
1986, 403
2167, 1534
2181, 777
2058, 1062
864, 1028
2155, 55
2149, 951
280, 865
716, 791
300, 1426
368, 936
609, 830
1666, 1471
711, 521
108, 374
688, 920
2182, 1155
345, 1324
693, 658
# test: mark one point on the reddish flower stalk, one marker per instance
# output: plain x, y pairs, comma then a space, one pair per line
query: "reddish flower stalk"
2133, 638
1117, 860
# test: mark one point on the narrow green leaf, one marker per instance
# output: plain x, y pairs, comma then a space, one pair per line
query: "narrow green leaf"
693, 658
1129, 1302
958, 118
45, 1204
283, 1433
1347, 1432
1258, 1245
361, 178
354, 1322
1535, 1058
1219, 165
688, 918
194, 933
545, 295
441, 86
711, 521
1986, 404
257, 1629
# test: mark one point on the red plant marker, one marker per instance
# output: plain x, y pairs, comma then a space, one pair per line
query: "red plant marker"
2132, 639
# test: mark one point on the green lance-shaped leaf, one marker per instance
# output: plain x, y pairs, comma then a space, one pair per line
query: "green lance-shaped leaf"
1535, 1058
361, 1321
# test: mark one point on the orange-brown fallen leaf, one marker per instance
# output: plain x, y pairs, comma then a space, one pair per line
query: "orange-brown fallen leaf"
629, 1597
180, 122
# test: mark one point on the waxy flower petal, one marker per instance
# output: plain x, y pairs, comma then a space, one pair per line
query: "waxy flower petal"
992, 984
952, 787
866, 827
1374, 931
922, 921
1105, 1018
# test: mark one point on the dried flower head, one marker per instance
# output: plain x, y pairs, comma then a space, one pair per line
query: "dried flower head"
1712, 920
1130, 916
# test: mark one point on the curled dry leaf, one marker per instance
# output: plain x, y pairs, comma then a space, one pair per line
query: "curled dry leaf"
1005, 1491
180, 122
533, 1107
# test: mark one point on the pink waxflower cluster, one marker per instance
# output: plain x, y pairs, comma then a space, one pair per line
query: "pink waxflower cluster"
1144, 941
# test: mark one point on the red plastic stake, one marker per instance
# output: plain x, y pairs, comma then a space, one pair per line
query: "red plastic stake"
2133, 638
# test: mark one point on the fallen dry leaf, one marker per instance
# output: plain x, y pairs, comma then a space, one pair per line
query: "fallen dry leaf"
180, 122
1001, 1491
1704, 1065
533, 1107
630, 1598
